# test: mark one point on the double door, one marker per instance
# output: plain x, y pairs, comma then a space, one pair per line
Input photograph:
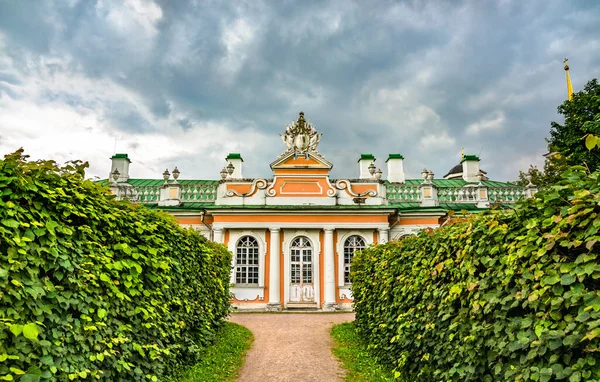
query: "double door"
301, 271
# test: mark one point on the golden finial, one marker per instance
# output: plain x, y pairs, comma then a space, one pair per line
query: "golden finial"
462, 152
569, 85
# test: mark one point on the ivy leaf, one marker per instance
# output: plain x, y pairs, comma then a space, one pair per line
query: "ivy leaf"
12, 223
551, 279
101, 313
567, 279
31, 331
16, 329
545, 374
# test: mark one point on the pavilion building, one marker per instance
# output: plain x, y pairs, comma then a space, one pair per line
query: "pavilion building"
293, 234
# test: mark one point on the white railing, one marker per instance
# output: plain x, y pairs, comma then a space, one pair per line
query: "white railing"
403, 193
201, 193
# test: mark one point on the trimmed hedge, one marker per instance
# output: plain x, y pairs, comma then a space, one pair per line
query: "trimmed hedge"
501, 296
95, 288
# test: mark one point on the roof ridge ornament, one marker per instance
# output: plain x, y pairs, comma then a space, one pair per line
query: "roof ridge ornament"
301, 138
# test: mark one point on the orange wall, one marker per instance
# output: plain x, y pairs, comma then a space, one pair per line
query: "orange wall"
301, 171
428, 220
291, 186
359, 189
302, 218
241, 188
300, 161
188, 220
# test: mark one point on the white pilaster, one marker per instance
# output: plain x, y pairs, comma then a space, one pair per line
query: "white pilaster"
274, 268
329, 263
218, 235
384, 235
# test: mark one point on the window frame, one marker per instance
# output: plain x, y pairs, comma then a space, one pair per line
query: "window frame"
346, 265
247, 266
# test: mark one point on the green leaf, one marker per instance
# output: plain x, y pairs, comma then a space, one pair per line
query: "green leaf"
16, 329
567, 279
545, 374
10, 223
101, 313
591, 141
16, 371
31, 331
551, 279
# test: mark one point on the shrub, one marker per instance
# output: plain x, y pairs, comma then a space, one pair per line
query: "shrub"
504, 295
95, 288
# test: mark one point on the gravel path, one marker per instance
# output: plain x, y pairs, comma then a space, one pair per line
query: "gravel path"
291, 347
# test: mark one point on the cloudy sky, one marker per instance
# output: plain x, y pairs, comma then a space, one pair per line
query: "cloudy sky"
184, 83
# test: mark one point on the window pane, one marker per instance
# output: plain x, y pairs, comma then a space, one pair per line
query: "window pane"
246, 261
353, 243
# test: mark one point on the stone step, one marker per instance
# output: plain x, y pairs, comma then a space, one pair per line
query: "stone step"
302, 306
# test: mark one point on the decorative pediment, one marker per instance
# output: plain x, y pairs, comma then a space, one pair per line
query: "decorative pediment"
307, 161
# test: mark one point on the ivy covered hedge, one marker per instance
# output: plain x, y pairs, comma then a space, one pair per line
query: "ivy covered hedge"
502, 296
95, 288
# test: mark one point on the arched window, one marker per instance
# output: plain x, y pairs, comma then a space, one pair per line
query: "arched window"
352, 244
246, 261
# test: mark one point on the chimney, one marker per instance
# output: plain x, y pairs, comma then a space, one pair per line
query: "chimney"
395, 163
470, 165
363, 166
120, 162
236, 160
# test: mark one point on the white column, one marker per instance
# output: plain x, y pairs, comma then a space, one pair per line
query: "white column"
218, 235
383, 235
274, 268
329, 264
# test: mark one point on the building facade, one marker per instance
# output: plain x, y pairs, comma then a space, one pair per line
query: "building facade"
293, 234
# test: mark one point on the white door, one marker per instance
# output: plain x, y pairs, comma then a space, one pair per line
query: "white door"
301, 271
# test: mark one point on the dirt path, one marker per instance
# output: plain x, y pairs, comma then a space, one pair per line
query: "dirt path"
291, 347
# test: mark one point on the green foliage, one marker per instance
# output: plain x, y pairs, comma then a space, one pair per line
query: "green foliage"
352, 351
501, 296
582, 117
95, 288
223, 360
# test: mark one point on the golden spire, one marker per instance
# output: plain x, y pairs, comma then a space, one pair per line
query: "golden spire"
569, 86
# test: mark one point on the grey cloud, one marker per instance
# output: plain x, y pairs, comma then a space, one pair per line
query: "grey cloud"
460, 61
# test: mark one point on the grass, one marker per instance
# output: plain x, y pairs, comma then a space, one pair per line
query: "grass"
350, 349
223, 360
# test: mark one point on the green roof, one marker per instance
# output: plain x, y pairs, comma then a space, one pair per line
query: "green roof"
121, 156
470, 157
366, 157
160, 182
442, 183
234, 156
395, 156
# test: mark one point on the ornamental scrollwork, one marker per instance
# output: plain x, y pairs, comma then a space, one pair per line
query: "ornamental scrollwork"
258, 184
345, 185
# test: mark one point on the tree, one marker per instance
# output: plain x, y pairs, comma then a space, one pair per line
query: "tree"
582, 119
553, 168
